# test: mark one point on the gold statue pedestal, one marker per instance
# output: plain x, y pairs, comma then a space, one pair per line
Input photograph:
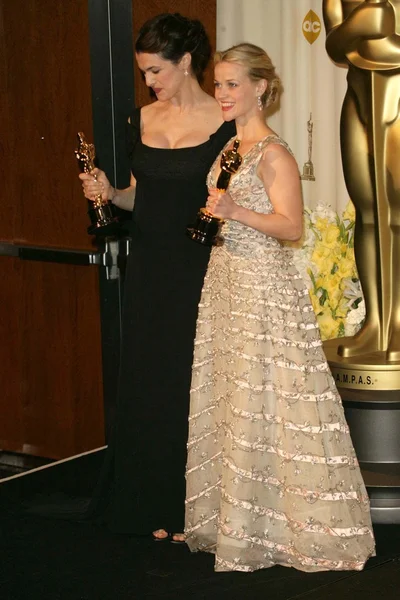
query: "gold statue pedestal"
366, 372
370, 392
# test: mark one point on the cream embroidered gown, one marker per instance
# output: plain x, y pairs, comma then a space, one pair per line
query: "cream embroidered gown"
272, 477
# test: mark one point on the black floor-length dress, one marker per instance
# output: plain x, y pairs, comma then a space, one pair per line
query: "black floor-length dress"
142, 484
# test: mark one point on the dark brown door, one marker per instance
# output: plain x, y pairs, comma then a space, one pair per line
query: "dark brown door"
51, 392
64, 67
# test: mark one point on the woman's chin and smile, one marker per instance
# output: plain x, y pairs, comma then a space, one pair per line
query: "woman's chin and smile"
228, 112
226, 107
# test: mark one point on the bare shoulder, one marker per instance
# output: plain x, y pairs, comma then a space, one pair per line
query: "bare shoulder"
277, 160
149, 111
210, 112
278, 152
211, 104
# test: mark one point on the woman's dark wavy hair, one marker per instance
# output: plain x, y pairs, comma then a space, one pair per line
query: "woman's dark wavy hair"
171, 35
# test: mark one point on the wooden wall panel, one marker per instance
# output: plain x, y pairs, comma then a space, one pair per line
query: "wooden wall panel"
51, 398
46, 69
11, 409
7, 205
51, 394
204, 10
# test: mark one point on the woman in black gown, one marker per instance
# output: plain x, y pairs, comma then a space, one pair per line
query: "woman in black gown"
172, 143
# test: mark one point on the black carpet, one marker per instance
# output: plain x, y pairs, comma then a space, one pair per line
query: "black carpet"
50, 559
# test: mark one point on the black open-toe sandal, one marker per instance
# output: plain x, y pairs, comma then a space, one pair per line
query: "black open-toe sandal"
177, 541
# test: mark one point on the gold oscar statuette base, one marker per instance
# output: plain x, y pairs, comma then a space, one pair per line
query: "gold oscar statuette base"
365, 372
206, 229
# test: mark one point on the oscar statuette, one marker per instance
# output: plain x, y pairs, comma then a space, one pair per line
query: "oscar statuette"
207, 228
308, 167
364, 37
102, 214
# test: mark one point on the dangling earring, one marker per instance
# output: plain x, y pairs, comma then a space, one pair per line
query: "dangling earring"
259, 103
186, 73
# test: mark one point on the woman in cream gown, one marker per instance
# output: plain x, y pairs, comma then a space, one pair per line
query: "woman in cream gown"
272, 476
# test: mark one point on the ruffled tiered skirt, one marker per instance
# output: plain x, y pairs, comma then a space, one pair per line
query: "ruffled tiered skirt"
272, 476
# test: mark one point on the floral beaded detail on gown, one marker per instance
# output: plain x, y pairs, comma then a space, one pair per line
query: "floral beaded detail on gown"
272, 476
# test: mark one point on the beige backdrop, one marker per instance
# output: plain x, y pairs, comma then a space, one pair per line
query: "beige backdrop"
312, 83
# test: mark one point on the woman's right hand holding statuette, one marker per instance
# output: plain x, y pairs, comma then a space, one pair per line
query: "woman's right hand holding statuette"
97, 189
96, 184
207, 228
220, 204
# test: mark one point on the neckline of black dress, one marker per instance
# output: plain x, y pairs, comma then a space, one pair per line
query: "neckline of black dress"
184, 147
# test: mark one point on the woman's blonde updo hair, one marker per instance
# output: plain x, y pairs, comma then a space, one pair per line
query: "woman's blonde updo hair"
258, 64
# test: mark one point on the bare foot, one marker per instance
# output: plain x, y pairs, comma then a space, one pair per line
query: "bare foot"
160, 535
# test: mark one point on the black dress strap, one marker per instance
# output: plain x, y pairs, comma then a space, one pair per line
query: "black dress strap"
223, 134
132, 131
135, 117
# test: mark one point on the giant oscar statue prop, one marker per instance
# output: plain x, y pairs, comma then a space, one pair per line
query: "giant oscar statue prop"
102, 213
207, 228
364, 35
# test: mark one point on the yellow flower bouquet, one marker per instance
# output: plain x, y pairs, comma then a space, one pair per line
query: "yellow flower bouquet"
326, 260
